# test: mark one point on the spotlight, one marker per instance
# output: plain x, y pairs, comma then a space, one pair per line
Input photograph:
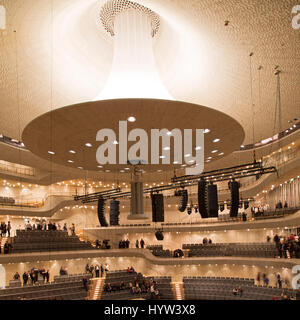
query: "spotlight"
131, 119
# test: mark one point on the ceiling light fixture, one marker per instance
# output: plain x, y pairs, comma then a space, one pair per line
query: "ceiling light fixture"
131, 119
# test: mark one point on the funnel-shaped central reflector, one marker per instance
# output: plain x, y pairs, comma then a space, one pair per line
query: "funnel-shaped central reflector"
134, 73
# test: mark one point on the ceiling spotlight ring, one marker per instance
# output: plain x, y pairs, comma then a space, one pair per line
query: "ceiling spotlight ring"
113, 7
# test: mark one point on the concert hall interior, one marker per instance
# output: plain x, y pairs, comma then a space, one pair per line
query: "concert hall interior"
149, 150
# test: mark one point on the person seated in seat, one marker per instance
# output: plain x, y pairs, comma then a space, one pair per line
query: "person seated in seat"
144, 289
98, 244
235, 291
16, 276
137, 289
131, 288
157, 294
107, 288
284, 296
240, 291
122, 285
6, 248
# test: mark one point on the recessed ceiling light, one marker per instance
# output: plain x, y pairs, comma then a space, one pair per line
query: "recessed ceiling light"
206, 130
131, 119
169, 133
214, 151
175, 162
221, 154
115, 142
70, 161
191, 161
187, 155
51, 152
198, 148
72, 151
88, 144
127, 168
80, 168
122, 171
100, 167
107, 170
162, 157
242, 146
216, 140
209, 158
167, 148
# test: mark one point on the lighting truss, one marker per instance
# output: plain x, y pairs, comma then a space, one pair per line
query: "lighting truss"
225, 174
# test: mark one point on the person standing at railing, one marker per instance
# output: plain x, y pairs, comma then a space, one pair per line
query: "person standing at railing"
8, 228
73, 229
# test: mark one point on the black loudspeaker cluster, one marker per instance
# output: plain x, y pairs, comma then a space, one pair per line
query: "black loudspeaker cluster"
222, 207
114, 212
158, 213
202, 199
208, 200
212, 200
184, 199
235, 198
101, 209
246, 205
159, 235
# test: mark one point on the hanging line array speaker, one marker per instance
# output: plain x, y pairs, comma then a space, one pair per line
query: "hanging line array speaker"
235, 198
157, 207
212, 200
183, 200
114, 212
159, 235
101, 209
202, 199
246, 205
222, 207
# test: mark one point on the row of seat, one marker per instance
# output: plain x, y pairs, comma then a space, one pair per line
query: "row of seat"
7, 200
115, 278
54, 240
40, 247
39, 233
72, 289
211, 288
73, 277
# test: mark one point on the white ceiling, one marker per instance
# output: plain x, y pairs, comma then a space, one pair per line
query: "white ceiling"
198, 58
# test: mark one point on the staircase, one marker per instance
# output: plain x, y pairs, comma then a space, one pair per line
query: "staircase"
96, 288
178, 291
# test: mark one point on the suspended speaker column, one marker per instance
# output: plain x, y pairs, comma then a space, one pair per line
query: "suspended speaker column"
137, 200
